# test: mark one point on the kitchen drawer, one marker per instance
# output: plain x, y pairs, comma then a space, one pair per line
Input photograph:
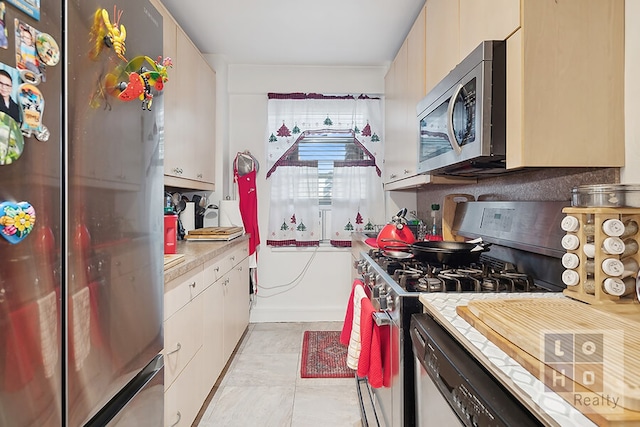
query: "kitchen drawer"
183, 398
183, 289
219, 266
182, 339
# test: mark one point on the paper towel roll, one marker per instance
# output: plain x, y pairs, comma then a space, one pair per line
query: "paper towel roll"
230, 213
188, 217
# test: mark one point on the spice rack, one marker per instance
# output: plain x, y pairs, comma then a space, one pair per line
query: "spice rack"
598, 216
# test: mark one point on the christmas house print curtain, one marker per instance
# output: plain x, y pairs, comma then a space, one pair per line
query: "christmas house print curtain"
357, 200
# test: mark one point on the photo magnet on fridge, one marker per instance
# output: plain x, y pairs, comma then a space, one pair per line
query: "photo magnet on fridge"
30, 7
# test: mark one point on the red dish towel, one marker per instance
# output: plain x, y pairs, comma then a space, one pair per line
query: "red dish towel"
345, 335
370, 362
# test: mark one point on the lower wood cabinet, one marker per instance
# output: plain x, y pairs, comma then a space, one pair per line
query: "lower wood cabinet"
206, 313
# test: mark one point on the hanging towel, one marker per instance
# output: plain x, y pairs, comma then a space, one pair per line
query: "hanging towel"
345, 335
353, 352
370, 361
81, 327
48, 318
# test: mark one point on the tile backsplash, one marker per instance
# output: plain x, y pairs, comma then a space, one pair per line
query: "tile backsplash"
539, 184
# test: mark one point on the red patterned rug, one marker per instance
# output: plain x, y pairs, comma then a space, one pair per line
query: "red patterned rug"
323, 356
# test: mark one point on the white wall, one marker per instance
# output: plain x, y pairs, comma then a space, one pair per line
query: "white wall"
293, 285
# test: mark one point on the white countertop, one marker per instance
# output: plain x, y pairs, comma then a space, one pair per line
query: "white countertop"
553, 408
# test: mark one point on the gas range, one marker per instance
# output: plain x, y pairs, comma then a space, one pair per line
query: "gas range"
487, 275
525, 257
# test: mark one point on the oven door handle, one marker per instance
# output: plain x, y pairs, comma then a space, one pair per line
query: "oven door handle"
381, 318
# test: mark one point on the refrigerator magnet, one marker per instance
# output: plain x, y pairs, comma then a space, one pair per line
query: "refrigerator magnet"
16, 220
48, 49
4, 40
11, 140
31, 103
104, 33
26, 53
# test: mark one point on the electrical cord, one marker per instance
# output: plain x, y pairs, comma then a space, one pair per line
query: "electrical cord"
297, 279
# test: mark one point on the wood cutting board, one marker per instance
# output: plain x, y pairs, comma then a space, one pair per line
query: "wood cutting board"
215, 231
171, 260
517, 327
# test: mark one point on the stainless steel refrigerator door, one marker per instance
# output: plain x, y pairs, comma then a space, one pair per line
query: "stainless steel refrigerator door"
115, 285
30, 271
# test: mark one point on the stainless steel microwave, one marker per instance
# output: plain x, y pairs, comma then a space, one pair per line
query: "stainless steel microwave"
463, 118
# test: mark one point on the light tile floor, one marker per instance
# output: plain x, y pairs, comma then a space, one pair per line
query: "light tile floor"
262, 386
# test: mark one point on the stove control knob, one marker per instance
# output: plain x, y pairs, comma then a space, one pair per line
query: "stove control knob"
383, 302
390, 303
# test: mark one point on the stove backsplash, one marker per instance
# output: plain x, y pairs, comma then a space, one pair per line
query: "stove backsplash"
540, 184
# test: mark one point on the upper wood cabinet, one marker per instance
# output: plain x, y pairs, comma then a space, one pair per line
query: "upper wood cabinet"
404, 87
486, 20
189, 106
442, 40
565, 85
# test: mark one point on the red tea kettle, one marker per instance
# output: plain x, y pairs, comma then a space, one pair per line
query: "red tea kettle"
396, 236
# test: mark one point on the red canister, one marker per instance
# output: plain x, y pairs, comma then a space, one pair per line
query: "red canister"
170, 234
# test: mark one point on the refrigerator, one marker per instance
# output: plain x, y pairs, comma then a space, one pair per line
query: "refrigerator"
81, 215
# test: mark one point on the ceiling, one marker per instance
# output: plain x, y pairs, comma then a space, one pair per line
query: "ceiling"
298, 32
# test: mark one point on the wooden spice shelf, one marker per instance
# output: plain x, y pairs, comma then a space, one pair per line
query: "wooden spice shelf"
597, 216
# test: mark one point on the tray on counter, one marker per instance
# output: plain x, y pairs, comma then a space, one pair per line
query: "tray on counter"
518, 328
215, 233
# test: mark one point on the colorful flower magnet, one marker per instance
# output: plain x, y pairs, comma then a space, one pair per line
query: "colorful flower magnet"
11, 140
17, 220
48, 49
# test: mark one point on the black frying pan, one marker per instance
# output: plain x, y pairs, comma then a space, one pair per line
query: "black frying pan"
449, 253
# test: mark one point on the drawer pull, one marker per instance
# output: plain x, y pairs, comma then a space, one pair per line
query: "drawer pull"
179, 417
178, 347
193, 284
232, 258
217, 269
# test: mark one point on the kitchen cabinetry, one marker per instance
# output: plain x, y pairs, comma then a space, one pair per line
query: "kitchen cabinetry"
486, 20
442, 40
565, 85
206, 313
404, 87
189, 133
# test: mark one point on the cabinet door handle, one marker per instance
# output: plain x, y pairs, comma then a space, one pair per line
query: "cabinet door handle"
193, 284
232, 258
217, 269
178, 347
393, 175
179, 417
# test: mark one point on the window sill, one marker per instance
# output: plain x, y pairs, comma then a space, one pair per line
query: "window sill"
324, 247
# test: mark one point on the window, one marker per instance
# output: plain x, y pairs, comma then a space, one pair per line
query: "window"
321, 159
327, 148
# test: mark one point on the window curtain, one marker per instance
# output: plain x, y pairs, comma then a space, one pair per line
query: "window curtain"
356, 202
293, 217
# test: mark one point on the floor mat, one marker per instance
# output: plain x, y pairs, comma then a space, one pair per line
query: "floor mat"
323, 356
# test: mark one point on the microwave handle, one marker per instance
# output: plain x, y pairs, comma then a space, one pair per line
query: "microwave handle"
452, 137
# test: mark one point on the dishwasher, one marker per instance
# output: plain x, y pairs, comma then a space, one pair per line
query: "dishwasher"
452, 387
